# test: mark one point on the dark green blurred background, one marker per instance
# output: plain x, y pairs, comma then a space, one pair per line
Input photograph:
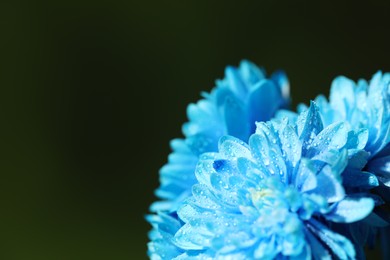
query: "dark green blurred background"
92, 92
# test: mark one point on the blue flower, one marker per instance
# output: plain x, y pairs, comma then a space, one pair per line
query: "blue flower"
242, 98
364, 105
275, 197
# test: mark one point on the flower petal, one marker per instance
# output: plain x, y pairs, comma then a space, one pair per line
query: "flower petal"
350, 209
329, 188
340, 245
236, 120
309, 124
264, 100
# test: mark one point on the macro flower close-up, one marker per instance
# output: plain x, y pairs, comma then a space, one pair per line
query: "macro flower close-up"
300, 186
274, 197
199, 130
245, 96
365, 105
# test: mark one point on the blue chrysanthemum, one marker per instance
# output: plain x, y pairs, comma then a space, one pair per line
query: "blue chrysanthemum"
275, 197
364, 105
242, 98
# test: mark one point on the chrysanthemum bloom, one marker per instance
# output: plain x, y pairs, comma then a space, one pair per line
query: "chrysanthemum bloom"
243, 97
365, 105
275, 197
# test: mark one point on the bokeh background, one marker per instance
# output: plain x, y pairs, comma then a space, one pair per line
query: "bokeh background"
92, 92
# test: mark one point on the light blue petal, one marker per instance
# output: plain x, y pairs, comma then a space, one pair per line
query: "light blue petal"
358, 139
264, 100
350, 210
250, 73
179, 145
205, 198
266, 150
338, 160
236, 120
291, 145
301, 108
329, 187
340, 245
260, 149
205, 168
191, 237
306, 178
190, 211
232, 147
309, 124
266, 249
334, 136
178, 172
290, 115
342, 94
235, 83
201, 111
194, 255
201, 143
162, 249
168, 224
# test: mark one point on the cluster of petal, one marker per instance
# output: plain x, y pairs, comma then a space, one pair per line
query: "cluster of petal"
165, 227
243, 97
364, 105
274, 197
298, 186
